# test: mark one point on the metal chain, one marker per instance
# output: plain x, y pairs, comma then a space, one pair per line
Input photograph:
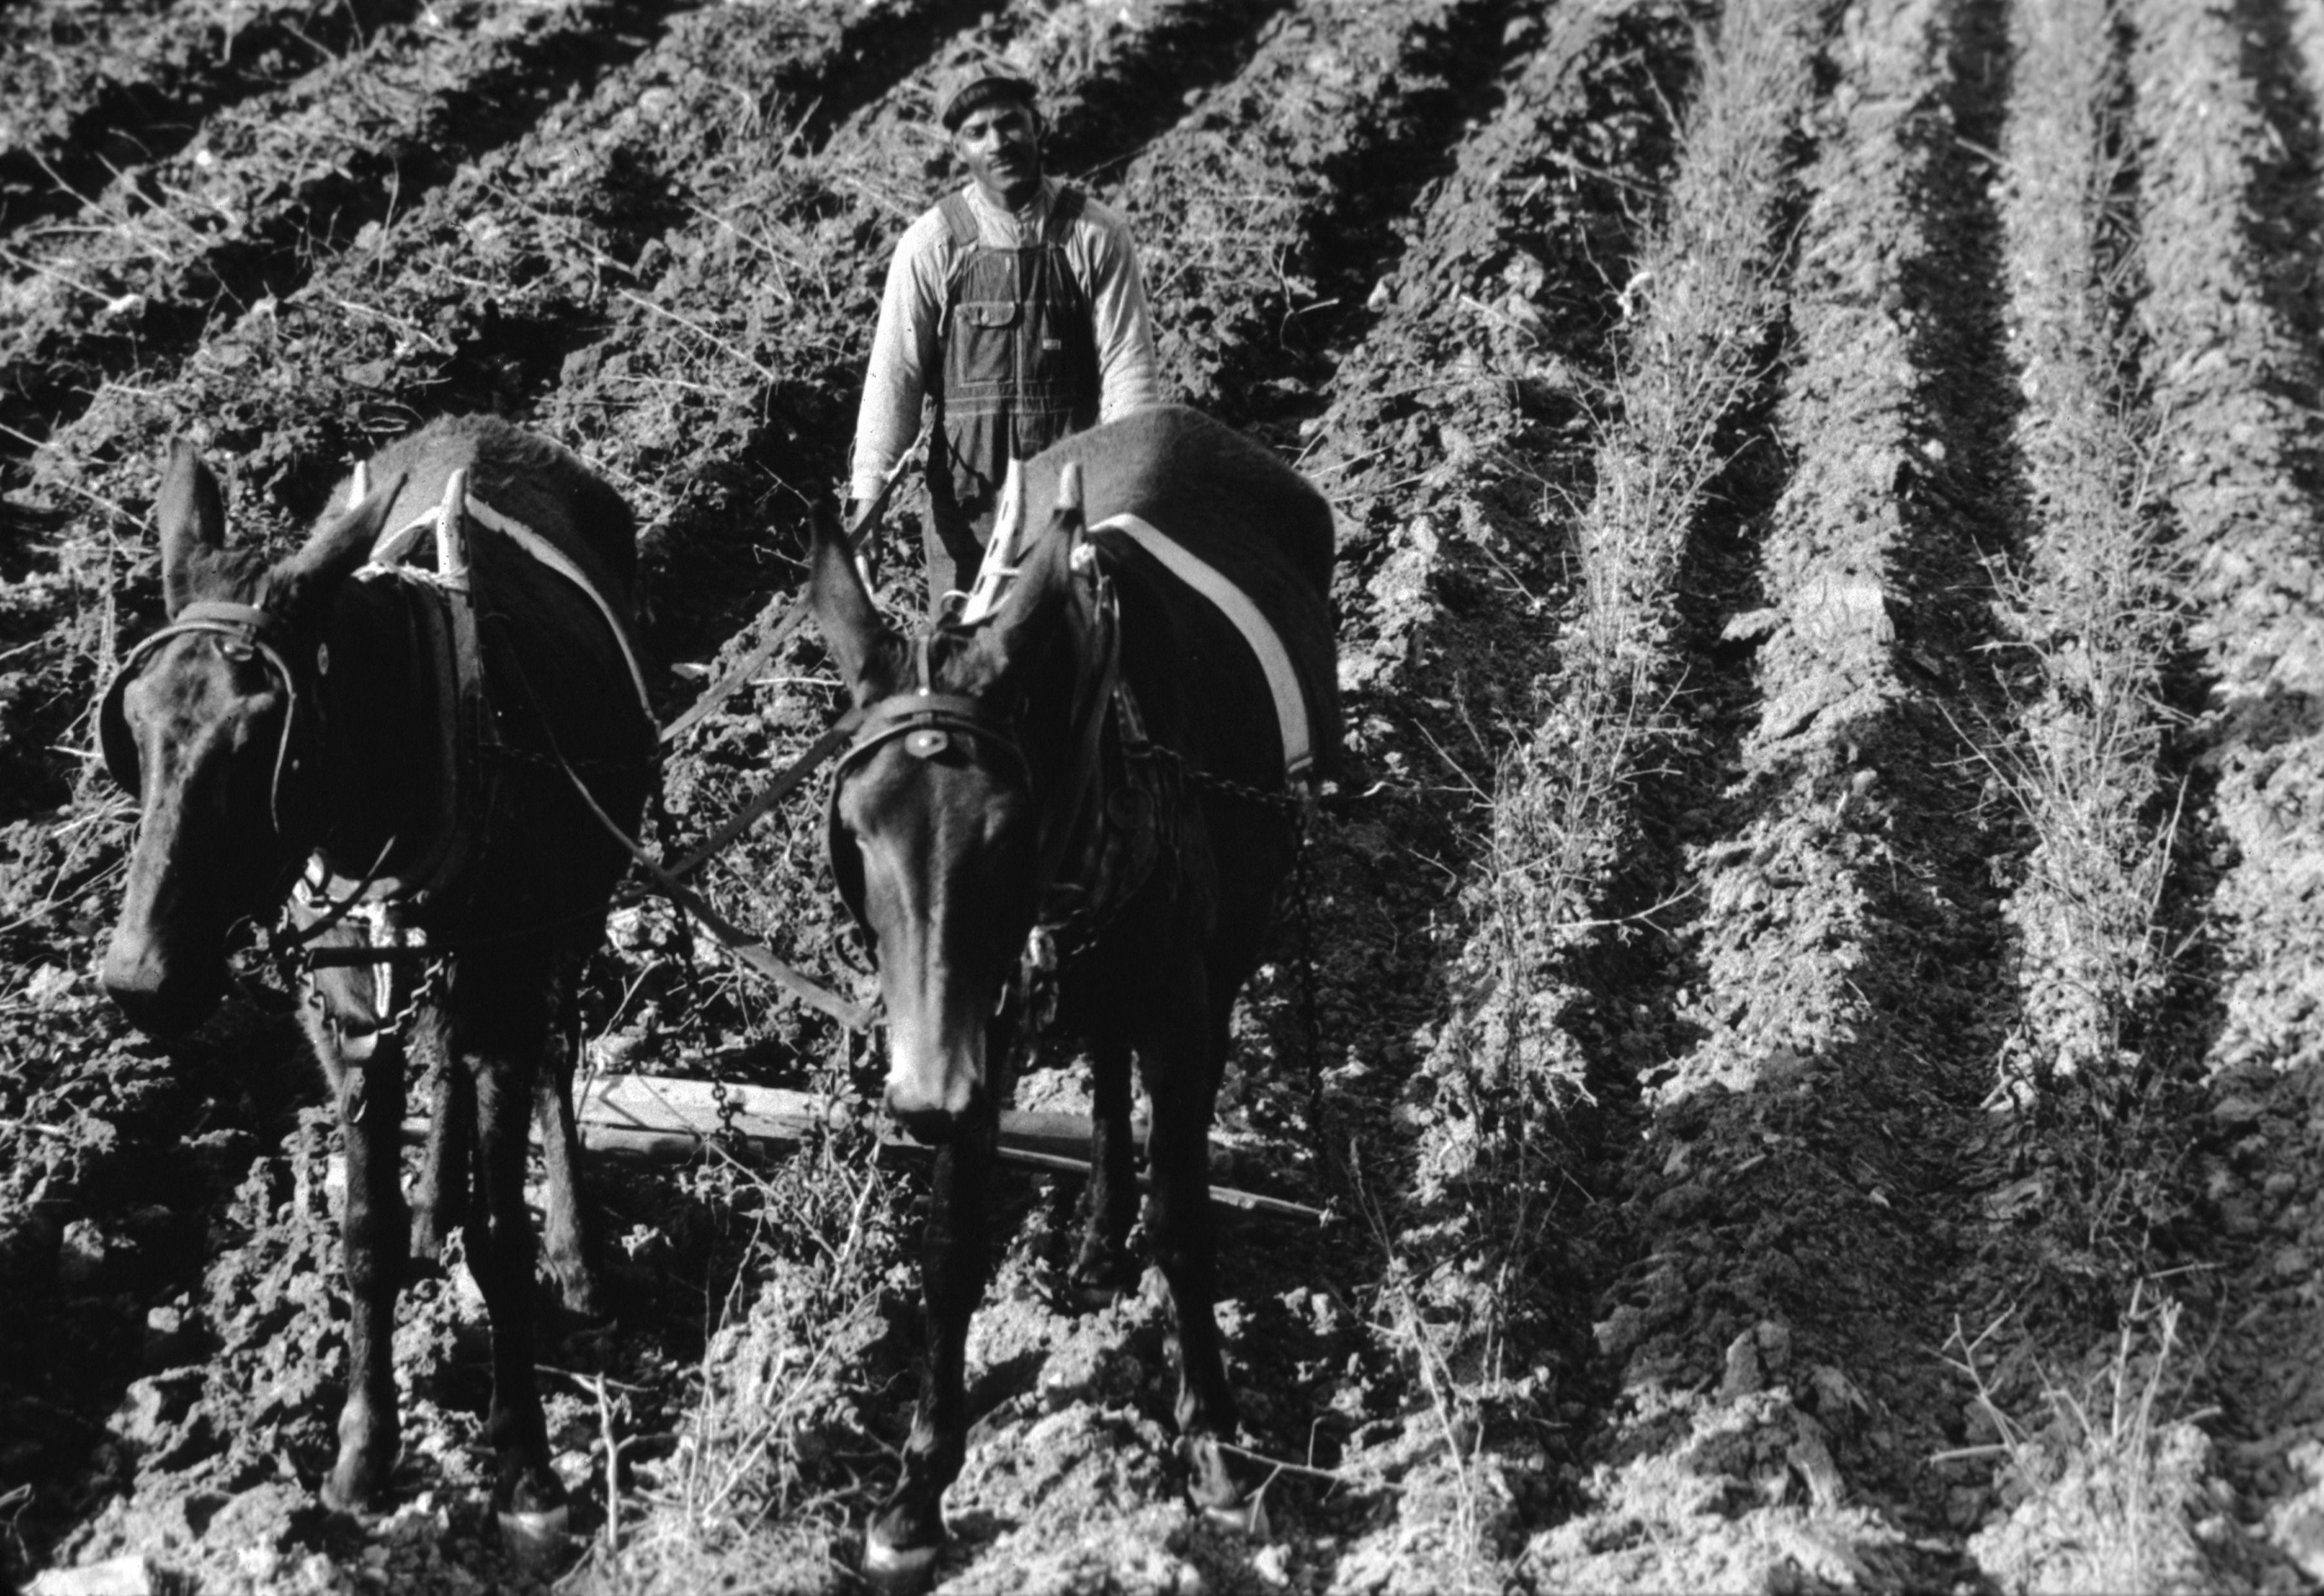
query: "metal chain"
1292, 803
724, 1103
1037, 976
425, 991
386, 1038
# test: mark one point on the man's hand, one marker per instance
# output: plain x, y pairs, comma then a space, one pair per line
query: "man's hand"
851, 510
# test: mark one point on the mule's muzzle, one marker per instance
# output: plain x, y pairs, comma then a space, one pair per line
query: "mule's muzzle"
161, 996
934, 1117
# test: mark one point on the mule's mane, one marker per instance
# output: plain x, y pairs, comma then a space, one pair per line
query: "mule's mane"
236, 574
239, 575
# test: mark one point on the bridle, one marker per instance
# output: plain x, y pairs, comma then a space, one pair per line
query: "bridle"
926, 721
247, 632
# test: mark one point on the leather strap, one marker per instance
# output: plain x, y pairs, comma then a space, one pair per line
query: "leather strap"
1274, 659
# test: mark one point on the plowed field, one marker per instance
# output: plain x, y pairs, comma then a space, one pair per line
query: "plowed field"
1813, 1060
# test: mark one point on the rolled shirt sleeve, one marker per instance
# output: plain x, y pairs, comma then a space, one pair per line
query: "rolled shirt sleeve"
1128, 374
903, 353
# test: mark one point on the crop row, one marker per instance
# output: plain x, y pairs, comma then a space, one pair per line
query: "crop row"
2238, 470
2088, 609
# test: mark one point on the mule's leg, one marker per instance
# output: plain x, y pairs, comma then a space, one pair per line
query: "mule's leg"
373, 1233
1182, 1066
499, 1022
340, 1015
439, 1199
910, 1528
565, 1240
1106, 1268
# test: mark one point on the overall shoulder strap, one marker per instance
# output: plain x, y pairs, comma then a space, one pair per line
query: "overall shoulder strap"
1064, 212
961, 230
960, 219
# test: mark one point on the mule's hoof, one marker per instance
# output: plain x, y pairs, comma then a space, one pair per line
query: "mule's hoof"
357, 1506
1101, 1279
425, 1246
897, 1568
354, 1493
536, 1536
1213, 1487
587, 1303
1093, 1298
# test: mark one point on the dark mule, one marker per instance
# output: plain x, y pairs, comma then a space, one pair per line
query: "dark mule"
998, 780
307, 707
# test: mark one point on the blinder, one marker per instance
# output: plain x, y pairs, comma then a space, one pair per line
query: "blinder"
242, 627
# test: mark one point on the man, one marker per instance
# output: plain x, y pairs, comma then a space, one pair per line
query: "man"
1016, 305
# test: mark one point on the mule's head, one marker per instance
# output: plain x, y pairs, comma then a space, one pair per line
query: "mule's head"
205, 725
938, 812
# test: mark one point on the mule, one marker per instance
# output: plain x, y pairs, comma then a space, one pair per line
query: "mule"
1002, 778
312, 707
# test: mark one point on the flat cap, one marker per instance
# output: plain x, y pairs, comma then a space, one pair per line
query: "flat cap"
971, 88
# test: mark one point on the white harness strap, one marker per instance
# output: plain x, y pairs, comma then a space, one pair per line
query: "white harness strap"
999, 565
1282, 681
550, 555
393, 547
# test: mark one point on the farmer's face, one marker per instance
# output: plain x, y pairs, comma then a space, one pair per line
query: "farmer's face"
1001, 145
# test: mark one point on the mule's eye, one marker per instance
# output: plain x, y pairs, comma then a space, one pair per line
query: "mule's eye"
926, 742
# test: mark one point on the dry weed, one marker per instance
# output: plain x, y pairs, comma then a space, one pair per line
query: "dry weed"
765, 1477
2104, 1486
2092, 604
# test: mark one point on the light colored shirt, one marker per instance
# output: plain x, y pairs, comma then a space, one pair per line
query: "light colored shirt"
905, 353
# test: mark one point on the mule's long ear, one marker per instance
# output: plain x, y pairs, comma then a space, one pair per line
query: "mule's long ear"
1018, 635
853, 628
190, 515
302, 579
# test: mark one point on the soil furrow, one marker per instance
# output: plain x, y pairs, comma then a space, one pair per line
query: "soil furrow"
113, 88
277, 186
523, 259
1265, 236
1794, 1202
